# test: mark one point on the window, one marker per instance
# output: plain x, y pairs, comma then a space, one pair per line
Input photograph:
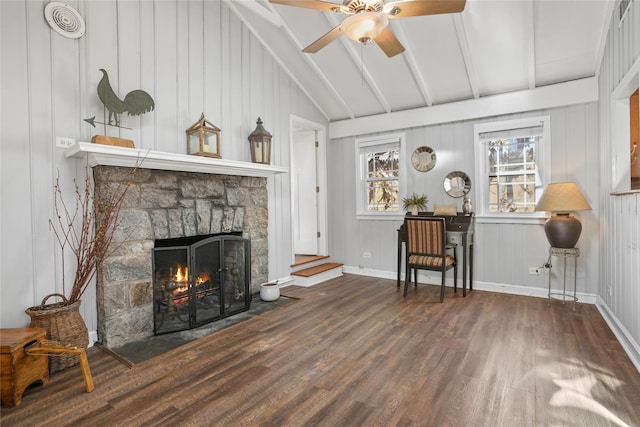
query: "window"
512, 157
379, 178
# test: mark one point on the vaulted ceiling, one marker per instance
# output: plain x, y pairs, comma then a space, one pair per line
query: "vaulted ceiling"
492, 47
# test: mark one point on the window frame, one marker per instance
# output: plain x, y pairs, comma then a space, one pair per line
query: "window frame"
364, 145
543, 165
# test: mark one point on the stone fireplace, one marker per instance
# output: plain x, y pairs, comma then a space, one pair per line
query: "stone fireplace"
165, 204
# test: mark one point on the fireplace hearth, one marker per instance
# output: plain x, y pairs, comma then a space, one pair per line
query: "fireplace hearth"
200, 279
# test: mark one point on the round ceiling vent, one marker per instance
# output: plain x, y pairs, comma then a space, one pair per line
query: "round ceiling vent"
64, 19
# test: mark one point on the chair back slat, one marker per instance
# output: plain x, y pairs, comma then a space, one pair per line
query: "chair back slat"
425, 236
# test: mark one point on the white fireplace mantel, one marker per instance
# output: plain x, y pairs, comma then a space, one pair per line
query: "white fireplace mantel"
109, 155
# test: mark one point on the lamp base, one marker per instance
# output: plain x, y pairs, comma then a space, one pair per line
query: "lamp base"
562, 230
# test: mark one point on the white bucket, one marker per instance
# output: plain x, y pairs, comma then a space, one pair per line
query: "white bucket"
269, 291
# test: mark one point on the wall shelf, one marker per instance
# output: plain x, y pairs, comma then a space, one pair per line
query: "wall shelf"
109, 155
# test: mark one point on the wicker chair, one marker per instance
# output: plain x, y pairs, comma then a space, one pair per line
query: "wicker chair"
426, 250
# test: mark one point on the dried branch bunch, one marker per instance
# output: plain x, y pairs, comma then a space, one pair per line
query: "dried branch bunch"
85, 233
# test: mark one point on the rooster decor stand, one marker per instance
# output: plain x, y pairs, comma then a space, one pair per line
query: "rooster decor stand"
111, 140
135, 103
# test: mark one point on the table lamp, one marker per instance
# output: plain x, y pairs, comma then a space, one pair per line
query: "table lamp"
562, 229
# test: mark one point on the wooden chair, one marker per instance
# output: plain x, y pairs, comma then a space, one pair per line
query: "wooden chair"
426, 250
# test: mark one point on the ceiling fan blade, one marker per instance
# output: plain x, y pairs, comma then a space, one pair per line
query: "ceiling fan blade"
422, 7
324, 6
323, 41
389, 43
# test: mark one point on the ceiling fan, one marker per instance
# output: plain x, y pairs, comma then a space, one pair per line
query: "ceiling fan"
369, 19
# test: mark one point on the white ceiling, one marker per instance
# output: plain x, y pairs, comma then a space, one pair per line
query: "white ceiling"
492, 47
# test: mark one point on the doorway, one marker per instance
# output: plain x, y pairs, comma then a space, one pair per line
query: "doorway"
308, 186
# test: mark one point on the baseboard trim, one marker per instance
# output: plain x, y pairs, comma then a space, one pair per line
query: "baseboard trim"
529, 291
482, 286
93, 338
286, 281
369, 272
622, 334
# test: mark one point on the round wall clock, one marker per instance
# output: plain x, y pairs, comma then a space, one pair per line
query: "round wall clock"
423, 159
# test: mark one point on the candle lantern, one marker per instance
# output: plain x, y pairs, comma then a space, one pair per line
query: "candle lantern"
203, 139
260, 144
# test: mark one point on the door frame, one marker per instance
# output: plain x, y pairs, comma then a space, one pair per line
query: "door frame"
297, 124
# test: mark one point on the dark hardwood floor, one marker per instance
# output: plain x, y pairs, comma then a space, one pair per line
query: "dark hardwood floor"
354, 352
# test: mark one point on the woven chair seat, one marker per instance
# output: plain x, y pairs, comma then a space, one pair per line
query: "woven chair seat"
430, 261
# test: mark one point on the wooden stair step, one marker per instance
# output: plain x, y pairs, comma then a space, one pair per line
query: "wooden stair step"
306, 259
311, 271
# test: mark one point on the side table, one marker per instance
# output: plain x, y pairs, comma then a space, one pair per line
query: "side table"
19, 369
564, 253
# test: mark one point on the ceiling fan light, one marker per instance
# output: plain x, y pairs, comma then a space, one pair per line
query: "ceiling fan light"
365, 26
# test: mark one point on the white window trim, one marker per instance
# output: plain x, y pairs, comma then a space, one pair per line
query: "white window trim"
361, 195
620, 174
543, 163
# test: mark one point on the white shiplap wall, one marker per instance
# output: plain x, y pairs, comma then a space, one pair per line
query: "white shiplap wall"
501, 258
619, 284
191, 56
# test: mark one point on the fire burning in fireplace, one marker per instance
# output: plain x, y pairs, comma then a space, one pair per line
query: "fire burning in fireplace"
177, 285
199, 280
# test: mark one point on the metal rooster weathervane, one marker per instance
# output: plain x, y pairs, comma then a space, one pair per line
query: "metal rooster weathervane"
135, 103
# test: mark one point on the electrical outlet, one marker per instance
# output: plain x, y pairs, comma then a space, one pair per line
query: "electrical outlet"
63, 142
366, 254
535, 270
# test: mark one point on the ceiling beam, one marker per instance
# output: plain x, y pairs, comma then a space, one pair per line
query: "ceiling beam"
551, 96
463, 41
528, 28
412, 63
276, 57
357, 59
606, 19
263, 11
313, 65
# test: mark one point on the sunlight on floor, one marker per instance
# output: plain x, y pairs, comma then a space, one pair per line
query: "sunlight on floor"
580, 386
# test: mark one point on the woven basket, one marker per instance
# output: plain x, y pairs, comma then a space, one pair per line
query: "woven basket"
64, 324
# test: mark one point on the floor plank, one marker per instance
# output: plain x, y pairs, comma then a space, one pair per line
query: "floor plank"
355, 352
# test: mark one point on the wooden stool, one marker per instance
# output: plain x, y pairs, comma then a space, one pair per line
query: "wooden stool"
54, 348
19, 369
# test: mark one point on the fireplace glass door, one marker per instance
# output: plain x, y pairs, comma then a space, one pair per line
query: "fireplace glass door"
197, 283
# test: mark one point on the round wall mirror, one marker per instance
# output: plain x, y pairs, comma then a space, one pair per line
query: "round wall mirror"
423, 159
457, 184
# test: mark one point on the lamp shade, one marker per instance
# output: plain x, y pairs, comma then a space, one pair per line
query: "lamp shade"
562, 229
562, 197
364, 26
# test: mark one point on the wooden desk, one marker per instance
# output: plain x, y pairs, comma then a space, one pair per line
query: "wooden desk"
20, 370
459, 231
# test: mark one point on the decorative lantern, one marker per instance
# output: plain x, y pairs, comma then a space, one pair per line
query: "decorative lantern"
260, 144
203, 139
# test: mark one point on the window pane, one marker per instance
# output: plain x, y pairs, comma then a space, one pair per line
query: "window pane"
383, 196
383, 164
379, 188
512, 174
